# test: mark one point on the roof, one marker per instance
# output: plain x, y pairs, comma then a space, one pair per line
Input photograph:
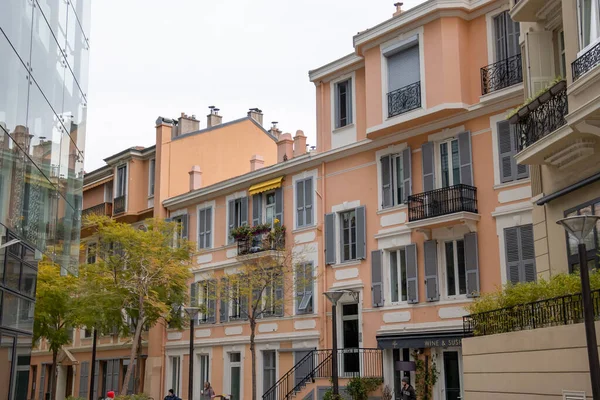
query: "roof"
224, 124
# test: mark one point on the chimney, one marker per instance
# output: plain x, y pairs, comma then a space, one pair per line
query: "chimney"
285, 147
398, 9
256, 162
187, 124
256, 114
213, 118
299, 143
274, 131
195, 178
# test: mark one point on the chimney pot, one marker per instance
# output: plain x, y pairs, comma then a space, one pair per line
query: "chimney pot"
398, 8
285, 147
195, 178
256, 162
299, 143
213, 118
186, 124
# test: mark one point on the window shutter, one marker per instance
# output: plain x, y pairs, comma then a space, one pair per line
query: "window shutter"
109, 368
96, 373
412, 274
244, 210
208, 228
308, 201
256, 209
513, 260
211, 303
431, 270
527, 253
309, 283
279, 204
336, 88
184, 226
231, 220
349, 102
361, 233
500, 36
244, 311
376, 278
428, 161
407, 170
330, 238
115, 376
386, 181
403, 68
298, 277
43, 382
300, 204
83, 379
464, 155
279, 305
472, 264
506, 151
201, 229
224, 306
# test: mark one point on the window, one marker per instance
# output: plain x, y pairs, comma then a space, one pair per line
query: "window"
182, 229
235, 306
304, 288
205, 228
151, 177
204, 369
395, 178
520, 254
270, 208
343, 103
589, 22
450, 163
456, 277
508, 147
403, 65
304, 202
270, 370
235, 374
398, 282
348, 235
506, 36
87, 333
272, 296
175, 373
121, 180
237, 215
207, 301
92, 248
592, 242
561, 53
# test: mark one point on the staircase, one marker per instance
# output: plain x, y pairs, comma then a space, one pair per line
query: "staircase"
316, 364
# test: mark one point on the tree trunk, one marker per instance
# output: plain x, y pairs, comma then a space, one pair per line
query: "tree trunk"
253, 355
53, 375
134, 346
137, 382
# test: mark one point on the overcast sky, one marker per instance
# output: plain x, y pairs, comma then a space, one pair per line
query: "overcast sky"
157, 57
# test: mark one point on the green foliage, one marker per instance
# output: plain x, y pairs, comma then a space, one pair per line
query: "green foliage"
359, 388
535, 96
141, 396
330, 396
425, 378
75, 398
386, 393
511, 295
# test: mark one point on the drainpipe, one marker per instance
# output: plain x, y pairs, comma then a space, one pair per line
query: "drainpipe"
322, 254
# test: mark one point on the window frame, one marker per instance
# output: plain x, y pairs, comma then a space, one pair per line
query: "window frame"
438, 162
342, 242
562, 54
349, 102
584, 48
272, 369
203, 294
151, 176
592, 254
302, 294
444, 264
175, 368
121, 181
402, 283
266, 206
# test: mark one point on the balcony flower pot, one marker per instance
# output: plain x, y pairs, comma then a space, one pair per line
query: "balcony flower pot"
544, 97
535, 103
558, 87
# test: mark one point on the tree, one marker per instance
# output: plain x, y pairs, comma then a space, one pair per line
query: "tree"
145, 271
55, 311
263, 286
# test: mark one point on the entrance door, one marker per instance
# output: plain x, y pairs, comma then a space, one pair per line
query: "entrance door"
350, 339
69, 385
452, 375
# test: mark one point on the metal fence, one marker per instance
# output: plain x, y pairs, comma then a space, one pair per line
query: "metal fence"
434, 203
404, 99
501, 74
586, 62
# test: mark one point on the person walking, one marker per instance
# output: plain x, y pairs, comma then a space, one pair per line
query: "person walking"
208, 392
171, 395
408, 392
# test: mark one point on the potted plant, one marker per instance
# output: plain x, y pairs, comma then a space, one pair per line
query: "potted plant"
241, 232
261, 229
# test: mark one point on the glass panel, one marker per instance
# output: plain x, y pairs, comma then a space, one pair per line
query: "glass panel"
394, 276
452, 375
462, 277
235, 383
28, 280
21, 375
585, 12
6, 355
13, 272
450, 276
15, 20
455, 163
404, 284
444, 162
235, 357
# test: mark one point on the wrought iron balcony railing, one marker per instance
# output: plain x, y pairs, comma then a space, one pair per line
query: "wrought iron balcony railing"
404, 99
438, 202
99, 209
586, 62
260, 242
119, 204
542, 116
501, 74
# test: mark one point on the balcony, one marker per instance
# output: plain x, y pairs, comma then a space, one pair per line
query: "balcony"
404, 99
102, 209
119, 204
586, 62
501, 74
532, 10
261, 241
441, 202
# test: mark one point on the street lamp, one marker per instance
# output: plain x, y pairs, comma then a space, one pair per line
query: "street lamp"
334, 297
192, 312
579, 227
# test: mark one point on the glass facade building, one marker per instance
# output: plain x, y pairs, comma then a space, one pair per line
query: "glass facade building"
44, 53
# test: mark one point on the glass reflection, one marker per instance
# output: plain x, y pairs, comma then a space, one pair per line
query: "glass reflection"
15, 20
6, 353
14, 87
20, 378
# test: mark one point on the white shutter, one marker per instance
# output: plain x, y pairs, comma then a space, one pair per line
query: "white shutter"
540, 60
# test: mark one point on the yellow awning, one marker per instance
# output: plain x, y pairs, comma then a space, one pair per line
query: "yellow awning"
264, 186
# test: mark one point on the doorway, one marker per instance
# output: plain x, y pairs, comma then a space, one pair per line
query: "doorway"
350, 340
452, 375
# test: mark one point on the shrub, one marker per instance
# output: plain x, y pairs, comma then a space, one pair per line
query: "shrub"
359, 388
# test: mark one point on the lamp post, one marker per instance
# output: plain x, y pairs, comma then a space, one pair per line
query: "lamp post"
334, 296
579, 227
192, 312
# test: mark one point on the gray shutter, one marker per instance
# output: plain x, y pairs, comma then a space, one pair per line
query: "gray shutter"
256, 209
428, 160
403, 68
513, 259
464, 155
361, 233
472, 264
308, 201
244, 210
522, 171
377, 278
279, 204
412, 274
43, 381
193, 294
330, 238
212, 301
300, 210
231, 221
431, 270
96, 373
309, 282
500, 36
184, 226
243, 307
108, 381
279, 304
208, 228
506, 151
201, 229
116, 369
224, 306
527, 253
349, 103
336, 104
407, 170
386, 182
83, 379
